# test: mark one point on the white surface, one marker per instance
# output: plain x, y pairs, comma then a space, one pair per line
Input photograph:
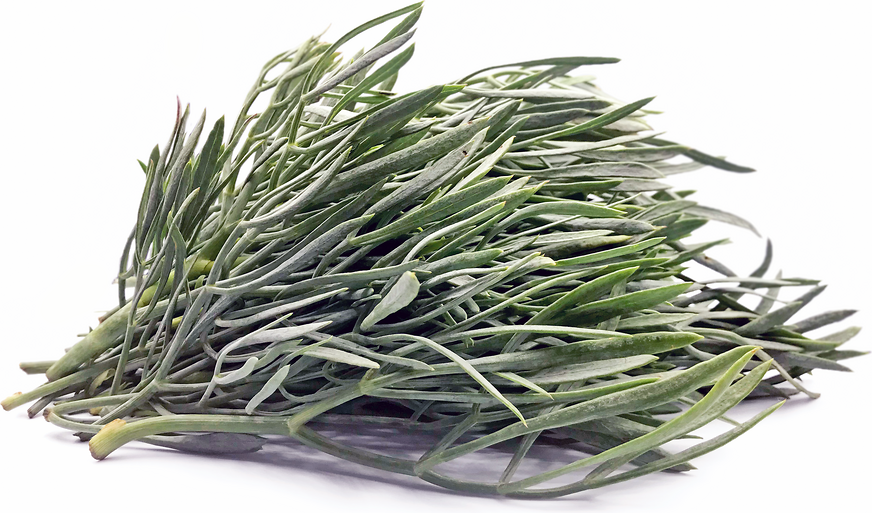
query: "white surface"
86, 89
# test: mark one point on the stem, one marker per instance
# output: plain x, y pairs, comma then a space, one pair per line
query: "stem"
36, 367
98, 340
319, 442
118, 432
51, 387
106, 334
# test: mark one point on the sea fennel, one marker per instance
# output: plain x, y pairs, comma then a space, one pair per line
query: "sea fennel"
494, 260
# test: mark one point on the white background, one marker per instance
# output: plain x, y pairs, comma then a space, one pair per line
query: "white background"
87, 88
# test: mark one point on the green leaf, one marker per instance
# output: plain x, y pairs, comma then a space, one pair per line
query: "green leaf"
339, 356
272, 384
649, 320
397, 298
660, 392
706, 159
524, 382
607, 254
407, 158
820, 320
371, 80
724, 217
766, 322
579, 352
604, 309
439, 209
842, 336
599, 121
808, 361
577, 372
595, 170
554, 61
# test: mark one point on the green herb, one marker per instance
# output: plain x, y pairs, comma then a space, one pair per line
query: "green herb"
493, 260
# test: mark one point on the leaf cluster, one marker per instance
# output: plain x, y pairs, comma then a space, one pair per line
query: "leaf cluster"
495, 259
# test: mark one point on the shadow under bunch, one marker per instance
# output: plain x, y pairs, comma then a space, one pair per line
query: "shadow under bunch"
495, 261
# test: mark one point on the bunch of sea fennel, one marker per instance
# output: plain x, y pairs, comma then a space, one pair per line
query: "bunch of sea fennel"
493, 260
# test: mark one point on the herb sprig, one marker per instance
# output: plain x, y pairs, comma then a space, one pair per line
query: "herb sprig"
498, 258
